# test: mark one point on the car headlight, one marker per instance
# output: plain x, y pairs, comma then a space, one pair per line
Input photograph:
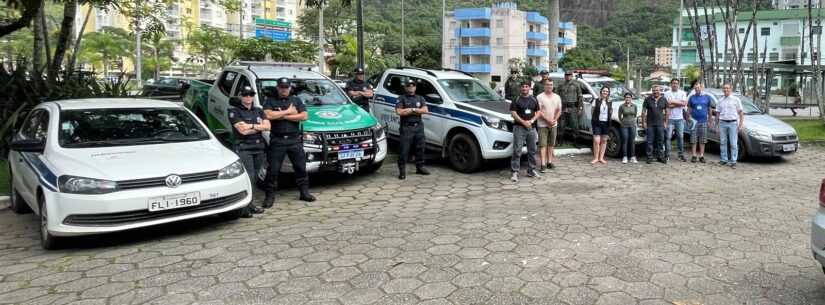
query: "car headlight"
231, 171
760, 135
81, 185
312, 138
495, 123
378, 131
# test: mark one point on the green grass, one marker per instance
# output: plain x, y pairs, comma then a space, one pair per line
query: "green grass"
808, 130
4, 177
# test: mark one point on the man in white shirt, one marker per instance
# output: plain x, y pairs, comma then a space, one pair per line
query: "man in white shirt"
550, 112
730, 120
676, 107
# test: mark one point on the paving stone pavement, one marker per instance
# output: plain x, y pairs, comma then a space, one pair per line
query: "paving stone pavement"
681, 233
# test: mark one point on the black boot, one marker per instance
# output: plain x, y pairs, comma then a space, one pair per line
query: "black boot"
420, 170
402, 173
269, 200
255, 209
247, 212
305, 195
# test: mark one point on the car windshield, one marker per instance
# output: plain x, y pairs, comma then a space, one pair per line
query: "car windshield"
468, 90
310, 91
131, 126
748, 107
617, 89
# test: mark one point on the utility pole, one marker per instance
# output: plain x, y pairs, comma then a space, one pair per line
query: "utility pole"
403, 45
627, 74
321, 59
360, 31
138, 35
679, 41
553, 35
240, 21
443, 30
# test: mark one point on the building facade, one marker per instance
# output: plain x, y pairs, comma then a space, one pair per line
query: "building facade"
482, 40
280, 10
663, 57
793, 4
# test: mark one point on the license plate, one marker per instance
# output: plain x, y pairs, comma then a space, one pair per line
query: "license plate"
351, 154
174, 201
789, 147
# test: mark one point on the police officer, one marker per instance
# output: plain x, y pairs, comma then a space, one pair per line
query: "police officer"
248, 122
538, 88
410, 107
512, 87
359, 90
571, 100
285, 112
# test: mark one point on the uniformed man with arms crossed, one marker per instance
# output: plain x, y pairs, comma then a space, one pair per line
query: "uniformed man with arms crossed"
248, 122
410, 107
571, 99
285, 113
359, 90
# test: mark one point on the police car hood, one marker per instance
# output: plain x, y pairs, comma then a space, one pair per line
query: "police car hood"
325, 118
497, 109
143, 161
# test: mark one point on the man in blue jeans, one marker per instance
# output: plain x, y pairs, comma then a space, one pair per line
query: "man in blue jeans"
676, 107
729, 122
654, 118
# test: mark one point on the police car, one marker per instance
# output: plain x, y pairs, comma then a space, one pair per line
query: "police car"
105, 165
469, 122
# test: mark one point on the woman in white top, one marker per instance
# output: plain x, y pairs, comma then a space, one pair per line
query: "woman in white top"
600, 121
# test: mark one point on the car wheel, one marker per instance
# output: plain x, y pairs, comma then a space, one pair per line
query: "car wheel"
17, 204
613, 143
232, 215
372, 168
47, 240
742, 151
463, 153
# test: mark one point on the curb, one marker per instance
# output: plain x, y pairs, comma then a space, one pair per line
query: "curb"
572, 151
4, 199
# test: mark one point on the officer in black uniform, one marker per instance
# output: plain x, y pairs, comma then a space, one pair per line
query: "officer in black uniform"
410, 107
359, 90
285, 113
248, 122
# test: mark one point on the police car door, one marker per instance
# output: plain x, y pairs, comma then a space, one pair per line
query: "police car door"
587, 110
383, 105
434, 122
219, 98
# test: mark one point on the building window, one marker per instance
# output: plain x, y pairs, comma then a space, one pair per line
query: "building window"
766, 31
499, 23
790, 29
499, 41
452, 25
452, 60
773, 56
485, 25
789, 54
741, 30
499, 60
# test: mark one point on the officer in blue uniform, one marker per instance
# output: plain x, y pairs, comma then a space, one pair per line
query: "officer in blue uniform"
359, 90
285, 113
410, 108
248, 122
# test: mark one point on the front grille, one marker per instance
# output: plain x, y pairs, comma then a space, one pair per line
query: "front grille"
124, 218
161, 181
348, 137
784, 137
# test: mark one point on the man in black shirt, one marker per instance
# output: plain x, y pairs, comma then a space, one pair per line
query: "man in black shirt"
285, 113
248, 122
359, 90
654, 120
525, 112
410, 107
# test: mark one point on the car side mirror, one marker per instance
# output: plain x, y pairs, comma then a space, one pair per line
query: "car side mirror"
235, 101
587, 98
433, 98
29, 145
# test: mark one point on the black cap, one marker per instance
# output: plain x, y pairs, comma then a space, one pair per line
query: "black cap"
359, 71
544, 72
568, 72
284, 82
628, 94
410, 82
247, 90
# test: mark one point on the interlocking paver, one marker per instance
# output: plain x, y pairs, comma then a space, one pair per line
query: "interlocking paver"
650, 235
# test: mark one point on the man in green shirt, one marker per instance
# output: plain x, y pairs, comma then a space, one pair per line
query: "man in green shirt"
571, 99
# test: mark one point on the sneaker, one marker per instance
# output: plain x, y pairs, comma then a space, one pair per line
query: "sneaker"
633, 160
693, 159
682, 158
624, 160
533, 174
542, 170
649, 161
514, 177
723, 163
550, 166
701, 159
732, 165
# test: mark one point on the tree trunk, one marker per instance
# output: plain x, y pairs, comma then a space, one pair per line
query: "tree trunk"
37, 51
553, 30
32, 8
77, 44
157, 61
697, 37
44, 29
754, 59
66, 27
711, 46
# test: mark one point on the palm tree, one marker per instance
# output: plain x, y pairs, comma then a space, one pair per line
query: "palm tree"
161, 50
104, 46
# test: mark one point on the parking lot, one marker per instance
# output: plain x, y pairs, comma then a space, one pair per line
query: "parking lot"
642, 234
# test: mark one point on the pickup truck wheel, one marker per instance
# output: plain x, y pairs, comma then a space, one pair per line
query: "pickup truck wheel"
463, 153
614, 139
372, 168
17, 204
47, 240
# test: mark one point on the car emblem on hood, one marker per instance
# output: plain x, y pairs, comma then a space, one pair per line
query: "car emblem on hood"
329, 114
173, 181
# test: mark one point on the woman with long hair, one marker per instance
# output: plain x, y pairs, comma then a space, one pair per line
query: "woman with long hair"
600, 121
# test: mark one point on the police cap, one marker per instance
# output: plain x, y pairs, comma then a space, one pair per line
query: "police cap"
247, 91
410, 82
566, 73
359, 71
544, 72
284, 82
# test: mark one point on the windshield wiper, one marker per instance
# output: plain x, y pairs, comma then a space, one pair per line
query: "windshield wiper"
102, 143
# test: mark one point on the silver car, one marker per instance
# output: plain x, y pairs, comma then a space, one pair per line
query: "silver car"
818, 229
762, 135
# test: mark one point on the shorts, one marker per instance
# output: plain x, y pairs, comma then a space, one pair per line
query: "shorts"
547, 136
600, 128
700, 133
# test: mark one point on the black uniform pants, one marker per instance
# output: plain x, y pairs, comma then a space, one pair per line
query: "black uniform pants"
280, 148
252, 161
412, 135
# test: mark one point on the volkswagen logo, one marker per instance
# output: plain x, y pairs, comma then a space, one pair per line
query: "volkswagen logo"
173, 181
328, 114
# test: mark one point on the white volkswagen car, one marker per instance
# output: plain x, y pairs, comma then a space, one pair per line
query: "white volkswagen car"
104, 165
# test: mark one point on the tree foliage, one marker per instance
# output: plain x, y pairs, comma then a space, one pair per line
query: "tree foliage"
103, 47
286, 51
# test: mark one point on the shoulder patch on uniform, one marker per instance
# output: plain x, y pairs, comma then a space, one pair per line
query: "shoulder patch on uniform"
232, 114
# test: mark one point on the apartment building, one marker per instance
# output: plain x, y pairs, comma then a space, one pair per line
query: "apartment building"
278, 10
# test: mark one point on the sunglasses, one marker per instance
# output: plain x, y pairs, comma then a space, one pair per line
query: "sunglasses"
248, 94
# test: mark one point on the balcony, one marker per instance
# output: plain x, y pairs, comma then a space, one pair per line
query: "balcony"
535, 17
473, 50
475, 68
536, 36
473, 13
564, 41
536, 52
472, 32
567, 26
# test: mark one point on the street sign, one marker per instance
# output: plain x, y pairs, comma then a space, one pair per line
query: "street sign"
816, 30
272, 22
273, 29
273, 34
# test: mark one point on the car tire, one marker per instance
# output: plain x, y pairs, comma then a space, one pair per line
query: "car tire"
232, 215
47, 240
372, 168
613, 143
17, 204
463, 153
742, 151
